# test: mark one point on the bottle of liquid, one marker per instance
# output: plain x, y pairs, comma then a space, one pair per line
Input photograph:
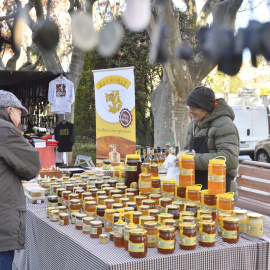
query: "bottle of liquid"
156, 159
148, 158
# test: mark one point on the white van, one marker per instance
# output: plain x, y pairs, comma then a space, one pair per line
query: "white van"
253, 126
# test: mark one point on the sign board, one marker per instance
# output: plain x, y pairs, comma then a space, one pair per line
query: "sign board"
115, 114
248, 92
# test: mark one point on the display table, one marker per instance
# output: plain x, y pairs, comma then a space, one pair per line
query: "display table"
47, 156
50, 246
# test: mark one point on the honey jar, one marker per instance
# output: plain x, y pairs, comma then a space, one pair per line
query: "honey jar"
112, 183
202, 212
175, 211
48, 212
193, 194
63, 219
137, 244
73, 196
136, 217
186, 170
230, 230
54, 215
69, 187
163, 216
254, 227
180, 193
127, 228
188, 219
155, 184
98, 184
180, 204
225, 203
220, 221
122, 189
184, 214
107, 190
146, 168
187, 236
124, 201
154, 170
151, 233
153, 213
139, 199
217, 175
129, 196
108, 219
132, 169
132, 204
132, 190
83, 186
163, 202
75, 205
117, 205
145, 182
242, 217
208, 202
93, 192
101, 200
111, 236
144, 209
62, 209
90, 208
171, 223
100, 212
168, 188
103, 238
59, 195
79, 222
86, 224
109, 203
95, 229
165, 240
119, 232
116, 197
207, 233
191, 207
150, 203
155, 197
143, 219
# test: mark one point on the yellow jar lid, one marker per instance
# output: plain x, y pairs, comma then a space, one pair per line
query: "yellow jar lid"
195, 187
188, 225
220, 160
155, 178
133, 156
165, 228
187, 156
116, 167
254, 215
138, 232
228, 195
168, 181
231, 219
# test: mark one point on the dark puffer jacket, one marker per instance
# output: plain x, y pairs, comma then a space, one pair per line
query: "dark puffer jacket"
223, 137
18, 161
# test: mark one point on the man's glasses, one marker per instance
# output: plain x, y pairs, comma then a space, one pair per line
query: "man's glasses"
192, 109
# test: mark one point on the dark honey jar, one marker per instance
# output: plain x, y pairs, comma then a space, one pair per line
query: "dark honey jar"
165, 240
137, 244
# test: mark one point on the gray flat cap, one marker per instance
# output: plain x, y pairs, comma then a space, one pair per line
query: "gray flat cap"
7, 99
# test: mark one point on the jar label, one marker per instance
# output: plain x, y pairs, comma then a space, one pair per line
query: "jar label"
79, 222
167, 194
187, 241
155, 190
118, 231
54, 218
106, 166
165, 244
207, 207
207, 238
151, 239
86, 227
229, 234
242, 225
61, 222
144, 184
216, 178
135, 247
186, 172
130, 168
89, 214
126, 236
254, 228
93, 230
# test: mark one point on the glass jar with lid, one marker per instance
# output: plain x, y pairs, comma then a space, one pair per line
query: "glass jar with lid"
136, 216
193, 194
180, 193
154, 170
63, 219
220, 218
101, 199
230, 230
52, 201
207, 233
86, 224
180, 204
187, 236
112, 183
54, 215
137, 244
75, 205
98, 184
189, 219
165, 240
254, 227
145, 182
191, 207
132, 204
83, 186
100, 212
186, 170
155, 197
155, 184
175, 211
79, 221
132, 169
118, 229
151, 233
153, 213
122, 189
117, 205
225, 203
171, 223
143, 219
146, 168
107, 190
93, 192
109, 203
163, 216
108, 219
150, 203
202, 212
132, 190
69, 187
184, 214
242, 217
90, 208
127, 228
163, 202
144, 209
48, 212
116, 197
95, 229
80, 193
208, 202
168, 188
45, 184
130, 196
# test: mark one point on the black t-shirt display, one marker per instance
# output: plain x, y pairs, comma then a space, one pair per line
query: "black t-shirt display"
65, 135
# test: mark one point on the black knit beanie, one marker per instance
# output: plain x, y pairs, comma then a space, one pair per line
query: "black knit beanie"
201, 97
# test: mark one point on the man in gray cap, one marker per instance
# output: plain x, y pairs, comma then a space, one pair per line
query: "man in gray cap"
211, 133
18, 161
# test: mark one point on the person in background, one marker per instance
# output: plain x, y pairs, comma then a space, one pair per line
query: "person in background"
211, 133
18, 161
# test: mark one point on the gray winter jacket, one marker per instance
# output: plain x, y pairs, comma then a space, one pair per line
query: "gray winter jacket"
18, 161
223, 137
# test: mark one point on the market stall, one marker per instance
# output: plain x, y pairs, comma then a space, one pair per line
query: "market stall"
51, 246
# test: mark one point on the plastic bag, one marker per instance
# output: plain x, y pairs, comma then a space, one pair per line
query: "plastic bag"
171, 166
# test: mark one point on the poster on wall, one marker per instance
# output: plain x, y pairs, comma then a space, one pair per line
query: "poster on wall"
115, 114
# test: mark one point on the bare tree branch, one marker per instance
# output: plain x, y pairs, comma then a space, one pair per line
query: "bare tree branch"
33, 66
39, 10
192, 9
11, 64
7, 17
205, 12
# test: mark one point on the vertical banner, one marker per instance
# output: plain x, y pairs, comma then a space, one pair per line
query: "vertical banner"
115, 114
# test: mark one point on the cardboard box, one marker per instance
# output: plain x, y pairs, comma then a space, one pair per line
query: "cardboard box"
57, 174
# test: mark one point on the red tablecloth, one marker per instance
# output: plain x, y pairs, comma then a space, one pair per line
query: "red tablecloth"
47, 156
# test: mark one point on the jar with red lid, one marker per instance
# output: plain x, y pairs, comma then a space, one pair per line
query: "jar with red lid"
230, 230
187, 236
150, 203
155, 184
165, 240
154, 170
207, 233
132, 169
79, 222
137, 244
95, 229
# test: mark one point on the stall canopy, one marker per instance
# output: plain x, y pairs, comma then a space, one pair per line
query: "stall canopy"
10, 79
